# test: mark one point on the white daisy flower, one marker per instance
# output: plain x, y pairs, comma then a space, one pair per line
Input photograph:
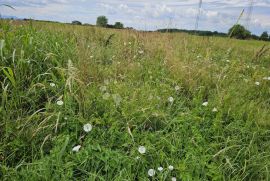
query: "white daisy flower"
142, 149
205, 104
87, 127
151, 172
137, 157
52, 84
170, 167
60, 103
171, 99
76, 148
141, 52
214, 109
160, 169
177, 88
173, 179
65, 118
257, 83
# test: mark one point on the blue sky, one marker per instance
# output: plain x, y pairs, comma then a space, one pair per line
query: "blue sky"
217, 15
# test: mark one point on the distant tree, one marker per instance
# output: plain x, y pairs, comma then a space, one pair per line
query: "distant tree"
238, 31
118, 25
102, 21
76, 22
264, 36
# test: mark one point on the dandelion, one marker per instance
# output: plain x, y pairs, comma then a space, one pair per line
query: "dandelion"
142, 149
173, 179
76, 148
151, 172
177, 88
171, 99
214, 109
60, 103
170, 167
257, 83
52, 84
205, 104
87, 127
160, 169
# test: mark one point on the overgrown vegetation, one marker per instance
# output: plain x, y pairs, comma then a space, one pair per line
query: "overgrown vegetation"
196, 106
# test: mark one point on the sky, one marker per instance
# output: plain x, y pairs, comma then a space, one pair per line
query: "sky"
215, 15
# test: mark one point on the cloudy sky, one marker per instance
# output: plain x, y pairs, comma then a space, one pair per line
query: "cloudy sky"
217, 15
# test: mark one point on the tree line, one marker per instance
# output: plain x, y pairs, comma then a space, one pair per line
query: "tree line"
102, 21
236, 31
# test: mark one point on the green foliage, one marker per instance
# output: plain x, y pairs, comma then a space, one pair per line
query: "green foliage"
118, 25
238, 31
264, 36
120, 84
76, 22
102, 21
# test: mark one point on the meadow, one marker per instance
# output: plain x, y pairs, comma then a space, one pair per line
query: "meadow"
87, 103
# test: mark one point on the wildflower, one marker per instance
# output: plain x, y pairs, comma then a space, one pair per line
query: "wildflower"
137, 157
117, 99
160, 169
214, 110
170, 167
171, 99
87, 127
106, 96
65, 118
76, 148
106, 82
129, 43
266, 78
228, 61
88, 46
142, 149
151, 172
173, 179
205, 104
141, 52
52, 84
177, 88
257, 83
103, 88
91, 56
60, 103
125, 43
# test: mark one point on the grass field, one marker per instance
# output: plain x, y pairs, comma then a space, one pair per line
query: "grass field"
196, 106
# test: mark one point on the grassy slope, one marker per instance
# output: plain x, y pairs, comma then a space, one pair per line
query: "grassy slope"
140, 72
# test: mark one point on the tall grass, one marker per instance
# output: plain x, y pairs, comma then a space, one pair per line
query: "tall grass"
120, 82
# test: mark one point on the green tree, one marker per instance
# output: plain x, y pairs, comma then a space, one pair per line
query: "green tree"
102, 21
118, 25
238, 31
264, 36
76, 22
